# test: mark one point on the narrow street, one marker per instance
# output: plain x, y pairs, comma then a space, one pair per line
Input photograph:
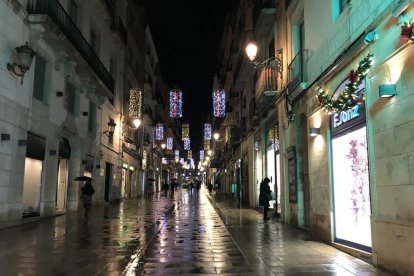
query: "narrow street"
165, 236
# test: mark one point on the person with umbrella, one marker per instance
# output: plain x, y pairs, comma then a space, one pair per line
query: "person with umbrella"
87, 192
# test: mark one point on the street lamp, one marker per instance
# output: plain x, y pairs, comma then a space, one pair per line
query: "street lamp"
163, 145
111, 128
216, 136
136, 122
272, 62
24, 58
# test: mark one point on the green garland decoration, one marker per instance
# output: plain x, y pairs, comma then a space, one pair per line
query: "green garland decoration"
349, 97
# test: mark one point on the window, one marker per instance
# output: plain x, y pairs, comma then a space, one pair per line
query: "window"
338, 6
73, 11
112, 71
39, 79
92, 117
70, 98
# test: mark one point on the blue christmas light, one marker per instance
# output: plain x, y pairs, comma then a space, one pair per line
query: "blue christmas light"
176, 103
219, 103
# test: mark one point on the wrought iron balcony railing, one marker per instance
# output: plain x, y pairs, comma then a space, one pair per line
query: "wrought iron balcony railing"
57, 13
297, 70
267, 81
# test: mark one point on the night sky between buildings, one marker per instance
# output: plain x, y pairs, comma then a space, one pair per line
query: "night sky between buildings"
186, 35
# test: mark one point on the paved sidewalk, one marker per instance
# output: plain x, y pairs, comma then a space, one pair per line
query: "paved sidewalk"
282, 249
73, 245
185, 235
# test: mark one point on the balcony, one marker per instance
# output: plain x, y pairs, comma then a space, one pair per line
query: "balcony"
297, 74
266, 90
61, 19
264, 16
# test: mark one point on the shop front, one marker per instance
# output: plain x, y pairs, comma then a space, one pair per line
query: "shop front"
258, 167
35, 155
351, 186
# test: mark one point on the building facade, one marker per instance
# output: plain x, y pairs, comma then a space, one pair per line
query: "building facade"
342, 172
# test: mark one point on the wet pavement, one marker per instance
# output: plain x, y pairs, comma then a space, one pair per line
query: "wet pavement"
198, 234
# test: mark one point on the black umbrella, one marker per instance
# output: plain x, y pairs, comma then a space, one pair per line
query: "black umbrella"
83, 178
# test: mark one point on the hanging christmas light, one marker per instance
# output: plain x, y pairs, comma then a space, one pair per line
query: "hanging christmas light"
176, 154
201, 154
207, 131
206, 144
176, 103
159, 132
185, 131
219, 103
190, 154
256, 145
135, 103
187, 144
169, 143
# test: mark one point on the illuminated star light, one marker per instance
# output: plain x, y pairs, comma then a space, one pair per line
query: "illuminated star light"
207, 131
159, 132
187, 144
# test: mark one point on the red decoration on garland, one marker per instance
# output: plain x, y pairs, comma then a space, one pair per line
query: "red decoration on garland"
407, 31
352, 76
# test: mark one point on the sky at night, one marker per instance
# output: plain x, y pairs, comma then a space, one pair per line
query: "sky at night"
186, 35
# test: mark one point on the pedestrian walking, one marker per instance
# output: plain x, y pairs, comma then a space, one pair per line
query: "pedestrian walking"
86, 196
165, 187
210, 187
264, 197
172, 187
217, 187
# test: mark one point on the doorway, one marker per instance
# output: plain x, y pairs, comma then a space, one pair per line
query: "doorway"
62, 182
108, 173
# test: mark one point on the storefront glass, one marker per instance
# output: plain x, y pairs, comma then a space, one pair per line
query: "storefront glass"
31, 186
351, 189
259, 175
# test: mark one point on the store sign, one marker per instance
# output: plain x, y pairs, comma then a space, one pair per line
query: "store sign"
342, 117
344, 120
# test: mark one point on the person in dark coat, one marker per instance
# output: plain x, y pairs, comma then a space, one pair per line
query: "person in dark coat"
264, 197
172, 186
86, 196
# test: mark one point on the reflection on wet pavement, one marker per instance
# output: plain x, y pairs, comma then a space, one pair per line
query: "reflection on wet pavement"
73, 245
166, 236
194, 240
273, 248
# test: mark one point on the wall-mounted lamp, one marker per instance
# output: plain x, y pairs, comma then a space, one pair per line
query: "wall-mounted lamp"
314, 131
111, 128
136, 122
216, 136
387, 90
22, 60
5, 137
272, 62
163, 145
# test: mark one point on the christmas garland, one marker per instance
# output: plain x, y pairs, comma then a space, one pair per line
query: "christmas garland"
349, 97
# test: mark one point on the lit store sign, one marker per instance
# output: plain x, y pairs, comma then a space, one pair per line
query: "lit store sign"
345, 116
344, 120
